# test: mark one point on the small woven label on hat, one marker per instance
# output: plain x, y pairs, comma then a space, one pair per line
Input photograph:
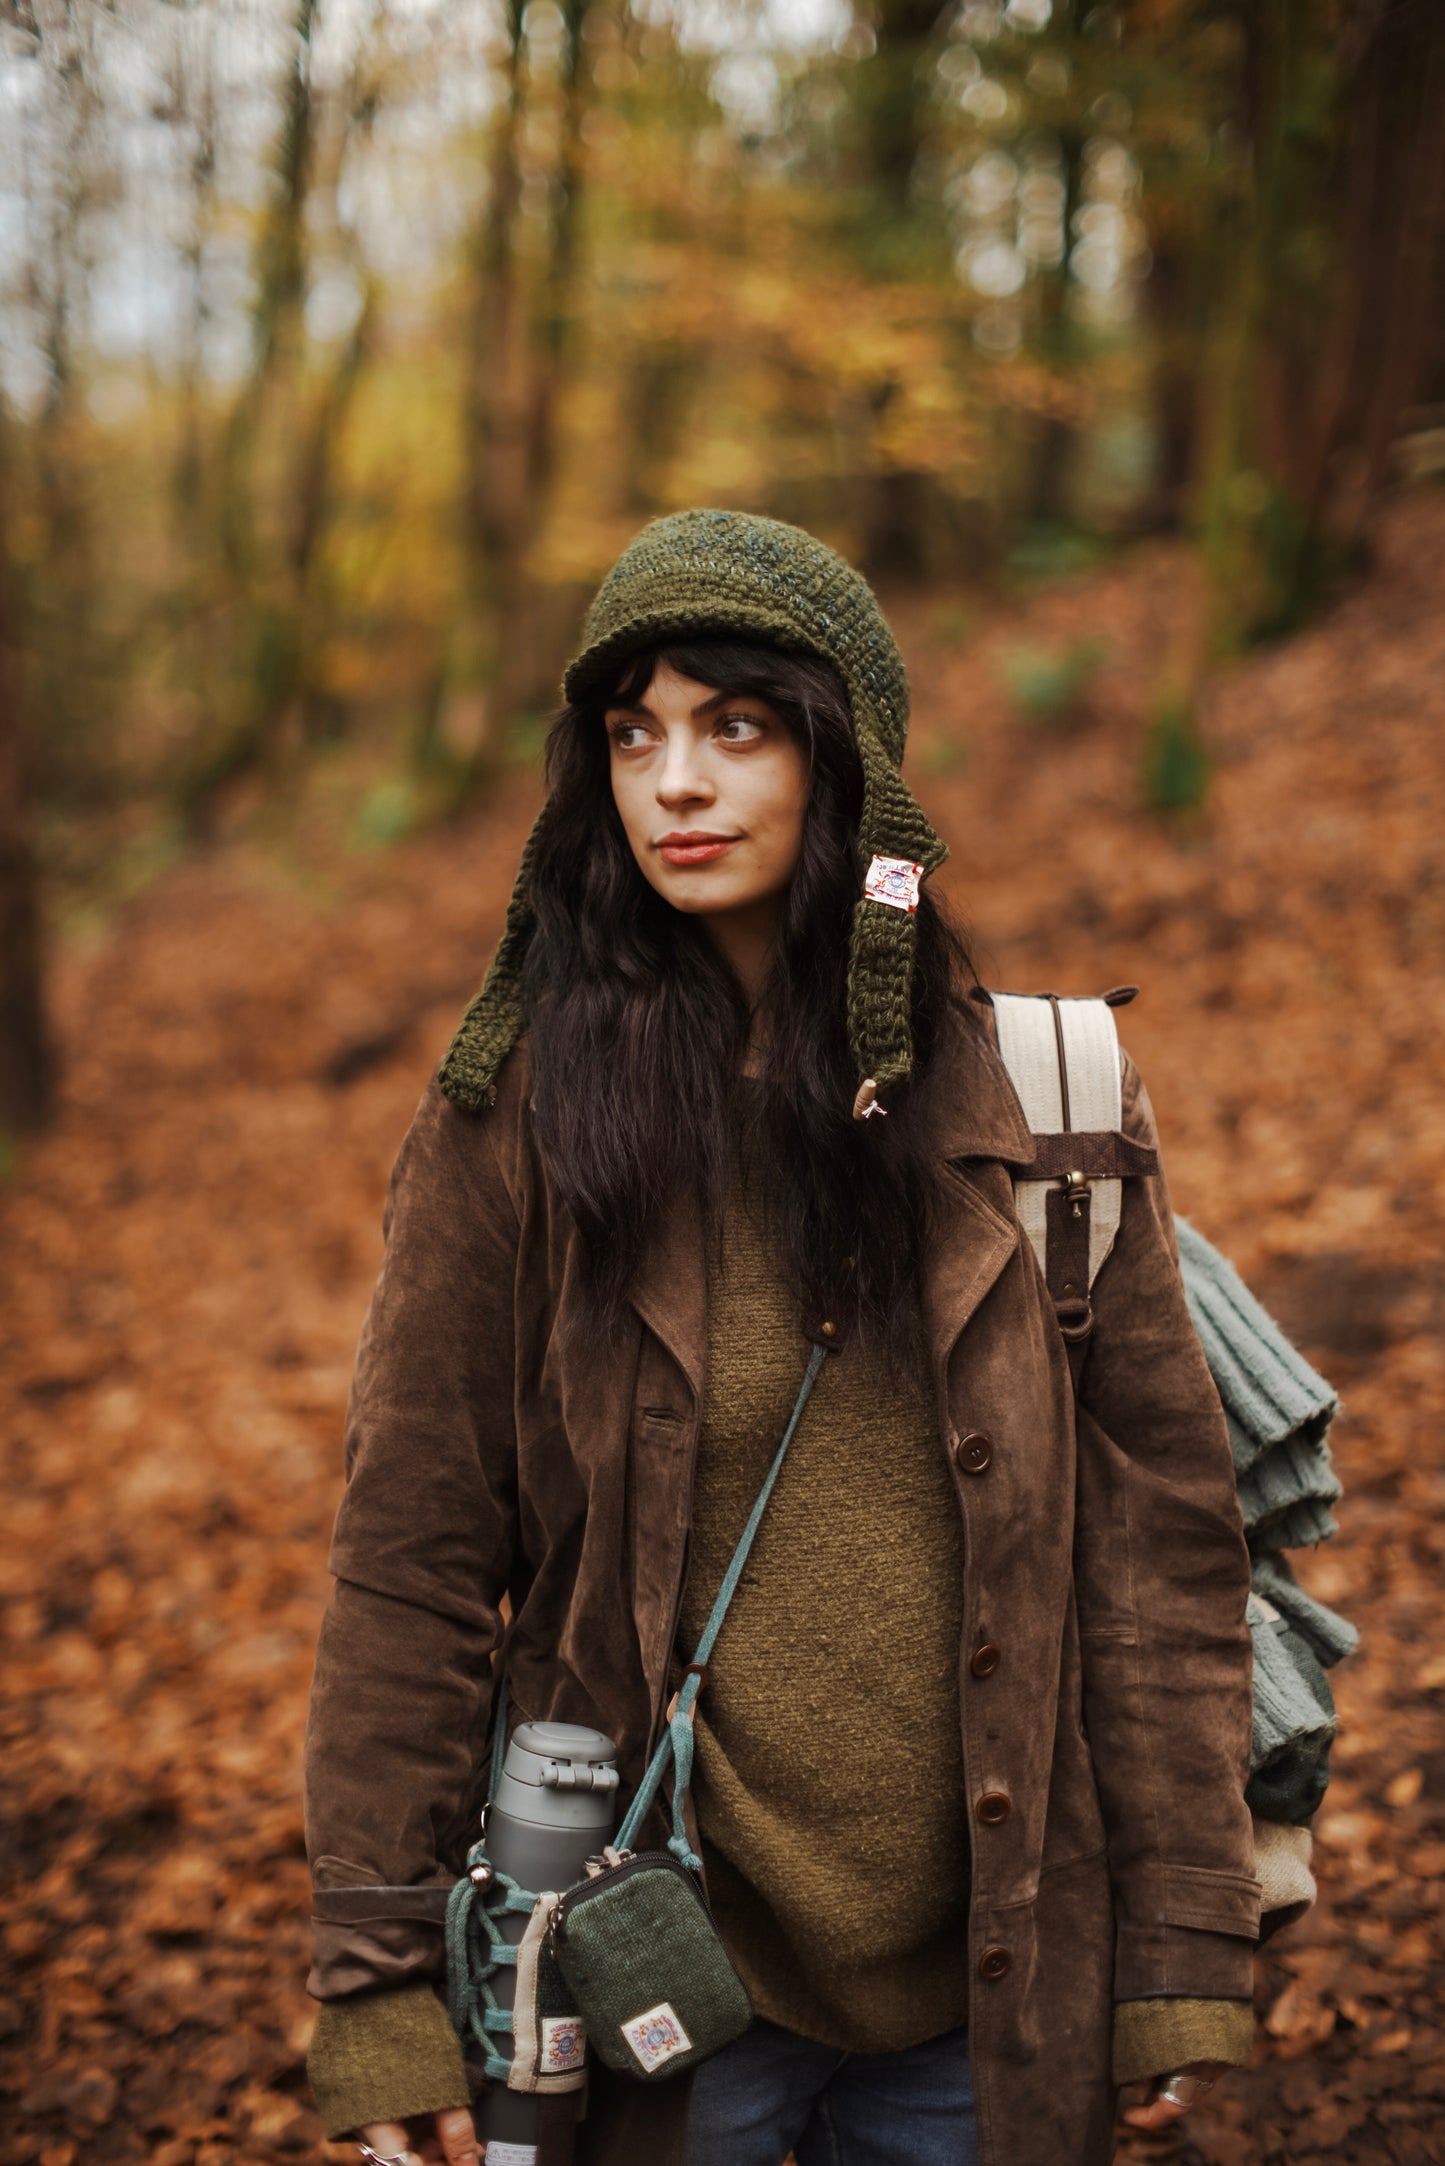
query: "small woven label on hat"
564, 2044
893, 880
656, 2035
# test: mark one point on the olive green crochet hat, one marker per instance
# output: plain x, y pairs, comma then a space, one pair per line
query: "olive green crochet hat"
725, 571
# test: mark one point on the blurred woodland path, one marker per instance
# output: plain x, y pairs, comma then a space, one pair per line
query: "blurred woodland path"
187, 1256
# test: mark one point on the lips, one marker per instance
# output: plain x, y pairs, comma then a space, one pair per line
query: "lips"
694, 849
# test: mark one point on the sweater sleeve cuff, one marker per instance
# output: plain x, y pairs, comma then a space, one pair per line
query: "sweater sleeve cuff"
1153, 2038
383, 2057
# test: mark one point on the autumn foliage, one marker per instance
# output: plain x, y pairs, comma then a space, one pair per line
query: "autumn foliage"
188, 1255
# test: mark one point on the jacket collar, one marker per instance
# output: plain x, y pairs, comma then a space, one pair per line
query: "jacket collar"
973, 1110
972, 1113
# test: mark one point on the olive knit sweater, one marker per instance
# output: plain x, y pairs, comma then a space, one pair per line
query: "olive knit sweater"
829, 1774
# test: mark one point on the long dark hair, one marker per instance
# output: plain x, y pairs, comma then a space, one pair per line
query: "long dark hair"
638, 1027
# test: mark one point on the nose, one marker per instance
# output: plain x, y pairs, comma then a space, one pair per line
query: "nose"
683, 778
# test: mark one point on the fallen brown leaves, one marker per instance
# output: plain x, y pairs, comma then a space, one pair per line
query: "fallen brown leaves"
187, 1257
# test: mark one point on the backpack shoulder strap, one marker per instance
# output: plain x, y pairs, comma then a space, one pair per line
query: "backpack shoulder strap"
1064, 1062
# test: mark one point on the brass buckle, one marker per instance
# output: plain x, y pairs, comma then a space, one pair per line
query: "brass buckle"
1076, 1186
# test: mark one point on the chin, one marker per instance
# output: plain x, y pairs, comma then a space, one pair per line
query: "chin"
697, 896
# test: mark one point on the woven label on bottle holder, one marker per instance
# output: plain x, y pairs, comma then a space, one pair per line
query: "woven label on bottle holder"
564, 2044
893, 880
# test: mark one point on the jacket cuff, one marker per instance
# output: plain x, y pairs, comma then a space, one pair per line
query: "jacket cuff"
1191, 1930
1153, 2038
372, 1936
1162, 1961
383, 2057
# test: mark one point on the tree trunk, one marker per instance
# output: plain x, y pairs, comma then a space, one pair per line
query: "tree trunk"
1396, 187
893, 510
244, 740
1176, 300
1308, 385
515, 380
1055, 442
27, 1074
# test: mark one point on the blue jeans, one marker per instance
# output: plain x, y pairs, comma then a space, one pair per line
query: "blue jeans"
771, 2092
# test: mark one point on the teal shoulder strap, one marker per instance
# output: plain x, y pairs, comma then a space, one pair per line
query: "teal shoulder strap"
676, 1743
499, 1733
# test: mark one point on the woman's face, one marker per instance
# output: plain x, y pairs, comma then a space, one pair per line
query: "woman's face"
712, 788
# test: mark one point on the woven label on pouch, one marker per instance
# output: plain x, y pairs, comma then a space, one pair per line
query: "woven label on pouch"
656, 2035
564, 2044
893, 880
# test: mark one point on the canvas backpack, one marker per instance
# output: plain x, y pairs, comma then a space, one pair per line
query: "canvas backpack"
1065, 1063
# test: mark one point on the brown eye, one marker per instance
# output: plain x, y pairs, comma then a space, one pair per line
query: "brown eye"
625, 734
741, 729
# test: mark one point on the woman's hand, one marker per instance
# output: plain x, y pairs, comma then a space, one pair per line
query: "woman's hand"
448, 2136
1154, 2112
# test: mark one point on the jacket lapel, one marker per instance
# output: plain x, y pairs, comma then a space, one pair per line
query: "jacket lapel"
976, 1127
669, 1291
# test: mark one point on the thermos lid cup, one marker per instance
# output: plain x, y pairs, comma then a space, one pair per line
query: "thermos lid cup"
542, 1741
558, 1774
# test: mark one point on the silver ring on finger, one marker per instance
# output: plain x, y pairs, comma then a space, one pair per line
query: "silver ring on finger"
1184, 2090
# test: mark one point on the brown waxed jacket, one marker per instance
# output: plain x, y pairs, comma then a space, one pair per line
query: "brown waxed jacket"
1105, 1559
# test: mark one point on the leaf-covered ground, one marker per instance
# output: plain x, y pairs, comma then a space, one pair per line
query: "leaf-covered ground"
187, 1256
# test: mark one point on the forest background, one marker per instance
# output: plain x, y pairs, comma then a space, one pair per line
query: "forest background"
342, 345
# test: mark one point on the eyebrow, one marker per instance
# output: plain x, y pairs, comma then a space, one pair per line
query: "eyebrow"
703, 707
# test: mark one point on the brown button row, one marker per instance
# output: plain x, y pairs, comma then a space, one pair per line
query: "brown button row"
994, 1962
993, 1808
973, 1452
986, 1659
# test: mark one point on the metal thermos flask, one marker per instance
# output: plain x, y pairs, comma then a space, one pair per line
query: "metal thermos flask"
555, 1807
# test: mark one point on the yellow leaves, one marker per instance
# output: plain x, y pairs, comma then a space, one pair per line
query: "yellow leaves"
1404, 1788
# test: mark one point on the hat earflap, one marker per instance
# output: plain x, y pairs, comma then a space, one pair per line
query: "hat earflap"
884, 933
489, 1029
880, 992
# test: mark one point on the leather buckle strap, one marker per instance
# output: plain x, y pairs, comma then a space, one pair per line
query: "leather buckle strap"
698, 1670
1076, 1319
1095, 1154
1066, 1266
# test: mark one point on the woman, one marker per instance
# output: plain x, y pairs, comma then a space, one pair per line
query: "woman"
972, 1751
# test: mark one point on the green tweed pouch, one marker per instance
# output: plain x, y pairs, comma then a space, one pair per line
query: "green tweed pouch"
638, 1948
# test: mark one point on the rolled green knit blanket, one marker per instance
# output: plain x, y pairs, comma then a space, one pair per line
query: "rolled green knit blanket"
1279, 1409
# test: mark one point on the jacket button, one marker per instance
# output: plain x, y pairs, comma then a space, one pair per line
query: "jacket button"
986, 1659
993, 1808
973, 1451
994, 1962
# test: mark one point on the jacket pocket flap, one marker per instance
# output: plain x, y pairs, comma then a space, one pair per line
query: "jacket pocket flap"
365, 1906
1216, 1902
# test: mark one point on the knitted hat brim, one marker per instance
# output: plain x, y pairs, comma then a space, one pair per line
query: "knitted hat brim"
599, 664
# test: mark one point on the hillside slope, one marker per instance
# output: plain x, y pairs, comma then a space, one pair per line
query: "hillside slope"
188, 1255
